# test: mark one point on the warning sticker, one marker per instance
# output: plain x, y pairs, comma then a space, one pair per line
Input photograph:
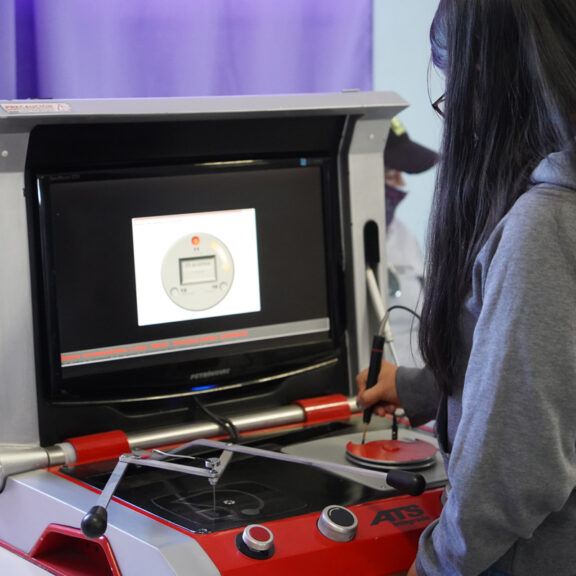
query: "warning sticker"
35, 107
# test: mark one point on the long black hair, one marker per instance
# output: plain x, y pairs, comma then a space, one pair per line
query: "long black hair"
510, 70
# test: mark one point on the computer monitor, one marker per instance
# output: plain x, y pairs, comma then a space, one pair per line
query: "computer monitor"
181, 278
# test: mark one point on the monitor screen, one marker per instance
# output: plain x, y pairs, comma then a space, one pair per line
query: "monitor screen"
183, 277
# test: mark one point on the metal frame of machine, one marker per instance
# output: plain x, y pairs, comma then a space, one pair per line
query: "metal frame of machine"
41, 511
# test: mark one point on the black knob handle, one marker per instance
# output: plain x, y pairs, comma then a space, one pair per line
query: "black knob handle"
94, 524
406, 482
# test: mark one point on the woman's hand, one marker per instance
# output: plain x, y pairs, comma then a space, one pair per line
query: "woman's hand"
383, 395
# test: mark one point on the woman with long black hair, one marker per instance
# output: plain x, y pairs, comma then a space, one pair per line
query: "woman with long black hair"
498, 328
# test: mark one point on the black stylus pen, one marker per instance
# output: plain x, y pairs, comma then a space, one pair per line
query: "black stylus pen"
373, 372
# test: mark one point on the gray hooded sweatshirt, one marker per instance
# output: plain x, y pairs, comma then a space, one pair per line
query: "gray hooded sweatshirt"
511, 424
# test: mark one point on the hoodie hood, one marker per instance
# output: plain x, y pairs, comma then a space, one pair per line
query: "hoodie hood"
558, 169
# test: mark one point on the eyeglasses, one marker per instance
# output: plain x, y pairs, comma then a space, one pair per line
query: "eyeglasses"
438, 105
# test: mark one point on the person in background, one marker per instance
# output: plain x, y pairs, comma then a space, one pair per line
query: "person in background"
498, 328
404, 255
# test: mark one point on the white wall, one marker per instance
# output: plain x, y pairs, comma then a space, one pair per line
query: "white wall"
401, 64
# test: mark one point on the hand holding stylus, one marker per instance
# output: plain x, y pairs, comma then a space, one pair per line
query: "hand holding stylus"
381, 397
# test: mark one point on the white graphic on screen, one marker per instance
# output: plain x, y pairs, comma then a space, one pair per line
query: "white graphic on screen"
197, 271
192, 266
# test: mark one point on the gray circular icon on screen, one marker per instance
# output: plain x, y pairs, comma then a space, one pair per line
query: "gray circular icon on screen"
197, 271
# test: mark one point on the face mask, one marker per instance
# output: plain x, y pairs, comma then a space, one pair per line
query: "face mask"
394, 196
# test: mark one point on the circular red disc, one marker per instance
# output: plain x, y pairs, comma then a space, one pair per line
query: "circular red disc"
392, 451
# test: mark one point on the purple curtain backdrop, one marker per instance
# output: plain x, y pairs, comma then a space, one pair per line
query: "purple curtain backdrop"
157, 48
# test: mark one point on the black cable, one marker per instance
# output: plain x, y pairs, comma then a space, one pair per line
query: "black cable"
225, 423
405, 308
384, 322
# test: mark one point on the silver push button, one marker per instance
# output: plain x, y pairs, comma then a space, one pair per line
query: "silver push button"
338, 523
256, 541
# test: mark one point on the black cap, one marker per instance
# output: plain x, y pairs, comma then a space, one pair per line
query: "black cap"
404, 154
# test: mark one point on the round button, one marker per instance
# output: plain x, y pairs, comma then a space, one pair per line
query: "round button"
258, 538
256, 542
338, 523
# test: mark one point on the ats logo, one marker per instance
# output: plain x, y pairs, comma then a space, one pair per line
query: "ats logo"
405, 515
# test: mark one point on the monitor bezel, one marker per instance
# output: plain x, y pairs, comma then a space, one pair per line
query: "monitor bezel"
147, 379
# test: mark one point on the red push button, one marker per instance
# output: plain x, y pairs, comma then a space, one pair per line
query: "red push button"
256, 541
258, 538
